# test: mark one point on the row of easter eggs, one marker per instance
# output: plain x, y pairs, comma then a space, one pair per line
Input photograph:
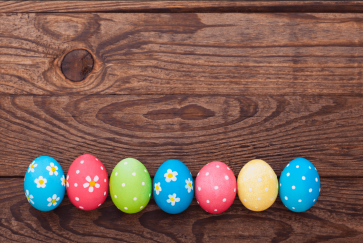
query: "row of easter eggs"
173, 188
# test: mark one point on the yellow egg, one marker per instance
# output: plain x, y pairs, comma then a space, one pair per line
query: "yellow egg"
257, 185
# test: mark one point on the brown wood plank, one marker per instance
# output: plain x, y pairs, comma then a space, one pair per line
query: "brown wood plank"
195, 129
180, 6
336, 217
231, 53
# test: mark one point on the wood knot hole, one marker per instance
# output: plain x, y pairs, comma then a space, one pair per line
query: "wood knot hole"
77, 64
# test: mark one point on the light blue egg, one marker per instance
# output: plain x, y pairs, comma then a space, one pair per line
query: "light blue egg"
173, 187
299, 185
44, 183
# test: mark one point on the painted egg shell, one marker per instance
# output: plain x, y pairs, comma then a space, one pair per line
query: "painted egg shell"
87, 182
215, 187
173, 187
44, 183
130, 186
299, 185
257, 185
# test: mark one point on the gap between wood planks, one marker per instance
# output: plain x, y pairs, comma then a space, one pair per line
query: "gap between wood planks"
181, 7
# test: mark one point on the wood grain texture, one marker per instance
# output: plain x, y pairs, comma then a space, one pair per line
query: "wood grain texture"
185, 53
336, 217
181, 6
196, 129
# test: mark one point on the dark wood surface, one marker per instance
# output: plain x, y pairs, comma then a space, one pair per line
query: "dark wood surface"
337, 217
196, 81
196, 129
185, 53
181, 6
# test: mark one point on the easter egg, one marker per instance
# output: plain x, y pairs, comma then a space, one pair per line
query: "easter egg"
44, 183
87, 182
130, 186
257, 185
299, 185
173, 186
215, 187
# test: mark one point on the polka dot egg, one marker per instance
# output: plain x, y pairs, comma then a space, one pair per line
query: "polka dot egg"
87, 182
299, 185
173, 186
44, 183
215, 187
130, 186
257, 185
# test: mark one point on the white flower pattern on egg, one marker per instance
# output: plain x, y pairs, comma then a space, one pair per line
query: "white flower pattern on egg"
41, 182
91, 183
170, 175
52, 169
29, 197
53, 200
157, 188
32, 166
173, 199
63, 180
189, 185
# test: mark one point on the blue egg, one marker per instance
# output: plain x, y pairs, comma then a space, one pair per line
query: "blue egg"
44, 183
173, 187
299, 185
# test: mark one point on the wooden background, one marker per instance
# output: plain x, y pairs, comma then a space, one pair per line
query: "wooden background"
195, 81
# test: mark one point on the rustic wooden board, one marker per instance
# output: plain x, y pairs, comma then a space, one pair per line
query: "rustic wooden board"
185, 53
181, 6
336, 216
195, 129
197, 81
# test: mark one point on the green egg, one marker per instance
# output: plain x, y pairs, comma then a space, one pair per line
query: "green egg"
130, 186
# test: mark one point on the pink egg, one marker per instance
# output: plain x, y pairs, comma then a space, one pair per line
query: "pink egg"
215, 187
87, 182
